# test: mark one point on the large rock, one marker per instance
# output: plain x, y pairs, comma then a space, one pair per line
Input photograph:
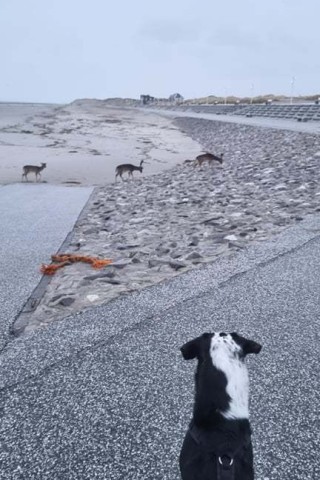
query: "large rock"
110, 273
177, 265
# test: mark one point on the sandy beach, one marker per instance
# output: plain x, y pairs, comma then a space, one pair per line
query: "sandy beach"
82, 143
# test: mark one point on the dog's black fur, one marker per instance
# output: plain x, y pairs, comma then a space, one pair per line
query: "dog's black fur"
214, 431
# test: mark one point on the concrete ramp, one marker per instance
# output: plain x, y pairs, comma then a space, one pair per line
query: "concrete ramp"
35, 219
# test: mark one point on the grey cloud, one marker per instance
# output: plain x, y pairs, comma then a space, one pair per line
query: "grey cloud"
268, 39
168, 32
234, 37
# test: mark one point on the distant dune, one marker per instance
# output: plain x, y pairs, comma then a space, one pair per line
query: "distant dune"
117, 102
210, 99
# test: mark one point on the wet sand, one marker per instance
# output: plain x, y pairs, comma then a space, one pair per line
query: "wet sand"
82, 143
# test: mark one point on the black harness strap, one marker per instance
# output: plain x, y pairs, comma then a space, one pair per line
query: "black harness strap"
225, 461
225, 468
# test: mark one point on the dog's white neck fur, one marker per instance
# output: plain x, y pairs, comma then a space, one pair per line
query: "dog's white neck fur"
224, 353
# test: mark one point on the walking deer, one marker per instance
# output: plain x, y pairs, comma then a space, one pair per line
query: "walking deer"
33, 168
128, 167
209, 157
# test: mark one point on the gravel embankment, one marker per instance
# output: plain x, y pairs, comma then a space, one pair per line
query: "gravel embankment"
156, 227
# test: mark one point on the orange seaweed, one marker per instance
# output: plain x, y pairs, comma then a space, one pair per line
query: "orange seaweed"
63, 259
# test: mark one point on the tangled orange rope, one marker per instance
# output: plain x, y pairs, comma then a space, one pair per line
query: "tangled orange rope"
67, 258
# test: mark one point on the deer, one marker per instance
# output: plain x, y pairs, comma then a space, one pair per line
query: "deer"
127, 167
209, 157
33, 168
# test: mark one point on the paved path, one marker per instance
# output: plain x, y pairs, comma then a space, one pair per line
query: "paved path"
35, 220
277, 123
106, 394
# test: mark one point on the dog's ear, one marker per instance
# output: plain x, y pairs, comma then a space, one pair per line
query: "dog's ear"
191, 349
248, 346
251, 347
196, 347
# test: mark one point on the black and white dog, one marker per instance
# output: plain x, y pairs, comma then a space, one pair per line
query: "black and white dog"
218, 445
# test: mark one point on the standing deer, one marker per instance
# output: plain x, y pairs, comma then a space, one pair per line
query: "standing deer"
33, 168
209, 157
128, 167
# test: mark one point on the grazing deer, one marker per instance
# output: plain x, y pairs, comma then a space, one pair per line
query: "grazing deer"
128, 167
33, 168
209, 157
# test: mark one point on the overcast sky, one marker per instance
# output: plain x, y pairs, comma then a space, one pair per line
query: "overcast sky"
60, 50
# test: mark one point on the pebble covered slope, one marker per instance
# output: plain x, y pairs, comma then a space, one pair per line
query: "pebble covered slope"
159, 226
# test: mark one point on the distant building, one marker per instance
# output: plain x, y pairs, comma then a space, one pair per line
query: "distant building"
146, 99
176, 98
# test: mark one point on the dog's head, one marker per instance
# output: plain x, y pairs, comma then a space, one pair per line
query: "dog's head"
222, 384
230, 344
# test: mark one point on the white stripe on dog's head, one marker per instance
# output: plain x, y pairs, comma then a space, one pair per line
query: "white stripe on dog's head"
224, 342
227, 356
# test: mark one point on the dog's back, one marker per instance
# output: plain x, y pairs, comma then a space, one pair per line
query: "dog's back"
208, 454
218, 442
